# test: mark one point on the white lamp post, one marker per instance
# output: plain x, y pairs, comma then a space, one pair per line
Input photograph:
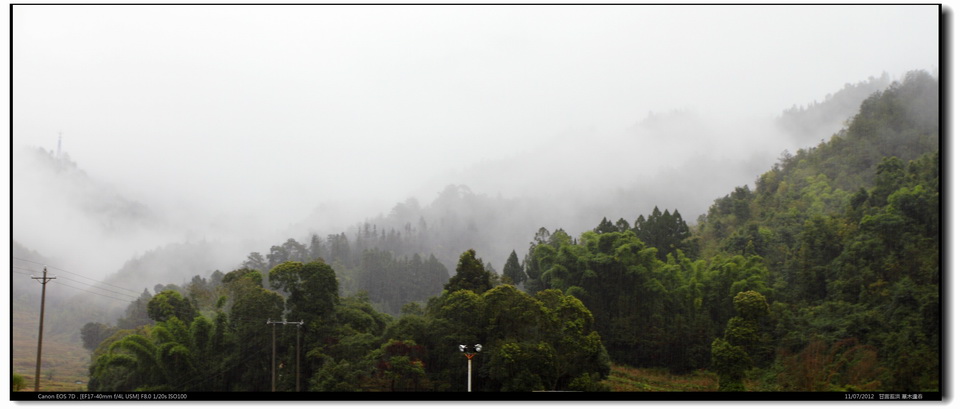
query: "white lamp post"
469, 352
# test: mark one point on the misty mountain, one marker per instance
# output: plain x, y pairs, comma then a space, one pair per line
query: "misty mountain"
820, 119
84, 229
829, 266
621, 175
842, 239
661, 160
894, 132
175, 263
88, 224
95, 228
678, 159
408, 254
44, 176
850, 231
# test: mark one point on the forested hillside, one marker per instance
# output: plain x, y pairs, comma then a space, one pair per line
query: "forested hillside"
820, 119
850, 232
841, 242
386, 267
825, 276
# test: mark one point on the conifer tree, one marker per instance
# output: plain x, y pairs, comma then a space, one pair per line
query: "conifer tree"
471, 275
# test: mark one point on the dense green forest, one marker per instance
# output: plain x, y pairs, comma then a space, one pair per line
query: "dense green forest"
214, 338
826, 276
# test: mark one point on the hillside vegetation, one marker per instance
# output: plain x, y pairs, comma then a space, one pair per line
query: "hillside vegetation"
824, 276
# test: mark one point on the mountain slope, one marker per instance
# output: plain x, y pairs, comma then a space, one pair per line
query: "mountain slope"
844, 284
850, 231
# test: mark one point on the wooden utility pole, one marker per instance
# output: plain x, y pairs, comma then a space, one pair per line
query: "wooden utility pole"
43, 298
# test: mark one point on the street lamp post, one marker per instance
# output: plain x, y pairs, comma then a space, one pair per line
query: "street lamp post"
469, 352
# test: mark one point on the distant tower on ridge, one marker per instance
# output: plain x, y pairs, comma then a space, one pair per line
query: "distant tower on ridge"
59, 143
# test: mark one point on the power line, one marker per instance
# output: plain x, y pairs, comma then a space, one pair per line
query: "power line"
81, 282
80, 275
101, 289
27, 269
91, 292
85, 277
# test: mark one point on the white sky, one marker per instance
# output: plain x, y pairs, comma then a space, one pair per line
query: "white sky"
268, 111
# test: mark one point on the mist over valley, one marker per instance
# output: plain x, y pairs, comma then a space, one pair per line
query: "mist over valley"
644, 172
675, 161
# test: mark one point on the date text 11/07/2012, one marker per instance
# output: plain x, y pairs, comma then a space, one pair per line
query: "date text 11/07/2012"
883, 396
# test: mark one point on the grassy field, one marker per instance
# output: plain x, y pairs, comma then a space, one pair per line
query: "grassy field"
65, 361
627, 379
